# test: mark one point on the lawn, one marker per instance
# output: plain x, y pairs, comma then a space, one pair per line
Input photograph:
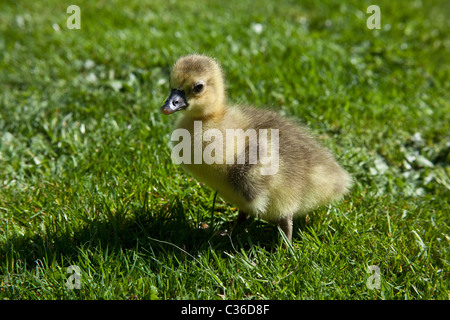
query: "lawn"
86, 177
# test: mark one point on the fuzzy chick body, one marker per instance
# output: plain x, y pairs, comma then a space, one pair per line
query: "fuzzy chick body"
306, 175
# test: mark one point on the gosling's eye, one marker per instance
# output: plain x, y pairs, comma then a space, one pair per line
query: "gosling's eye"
198, 87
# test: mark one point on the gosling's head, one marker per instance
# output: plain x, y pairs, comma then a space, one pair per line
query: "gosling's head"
197, 87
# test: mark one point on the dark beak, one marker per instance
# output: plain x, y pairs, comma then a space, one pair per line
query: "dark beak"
175, 102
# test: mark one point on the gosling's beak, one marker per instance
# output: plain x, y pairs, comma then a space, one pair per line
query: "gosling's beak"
175, 102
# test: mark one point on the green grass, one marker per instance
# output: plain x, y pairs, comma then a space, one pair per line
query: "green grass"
86, 177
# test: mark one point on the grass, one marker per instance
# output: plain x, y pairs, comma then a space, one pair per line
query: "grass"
86, 177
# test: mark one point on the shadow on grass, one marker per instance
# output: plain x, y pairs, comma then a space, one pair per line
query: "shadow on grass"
162, 232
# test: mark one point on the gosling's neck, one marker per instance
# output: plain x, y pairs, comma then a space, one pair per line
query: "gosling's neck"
213, 112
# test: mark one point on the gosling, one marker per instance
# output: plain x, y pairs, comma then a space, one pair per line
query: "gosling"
292, 173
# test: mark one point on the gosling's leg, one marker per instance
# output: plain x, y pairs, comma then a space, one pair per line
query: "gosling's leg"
242, 217
286, 224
